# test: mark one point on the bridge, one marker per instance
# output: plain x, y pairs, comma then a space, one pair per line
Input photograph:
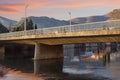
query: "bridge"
48, 41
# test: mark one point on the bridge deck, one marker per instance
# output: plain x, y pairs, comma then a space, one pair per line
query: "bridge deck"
85, 32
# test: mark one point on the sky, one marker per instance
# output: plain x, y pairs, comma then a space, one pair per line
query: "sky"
59, 9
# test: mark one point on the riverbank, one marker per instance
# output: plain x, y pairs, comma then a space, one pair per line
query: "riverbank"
13, 74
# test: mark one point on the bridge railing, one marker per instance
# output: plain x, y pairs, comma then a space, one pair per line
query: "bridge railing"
65, 29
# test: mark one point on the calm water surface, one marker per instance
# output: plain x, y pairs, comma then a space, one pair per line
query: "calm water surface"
97, 64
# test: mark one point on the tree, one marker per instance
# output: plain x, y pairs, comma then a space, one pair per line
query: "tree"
35, 26
19, 28
29, 25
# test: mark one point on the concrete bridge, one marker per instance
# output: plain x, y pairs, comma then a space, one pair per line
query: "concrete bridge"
48, 41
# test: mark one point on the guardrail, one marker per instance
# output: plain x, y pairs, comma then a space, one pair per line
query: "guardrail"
112, 24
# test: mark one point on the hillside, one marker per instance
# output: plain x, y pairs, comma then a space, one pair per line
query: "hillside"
115, 14
48, 22
51, 22
90, 19
6, 22
3, 29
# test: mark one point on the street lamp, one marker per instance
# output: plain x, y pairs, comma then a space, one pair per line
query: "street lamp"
70, 21
25, 23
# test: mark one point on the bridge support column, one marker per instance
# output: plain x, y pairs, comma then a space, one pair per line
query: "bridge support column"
43, 51
37, 51
2, 51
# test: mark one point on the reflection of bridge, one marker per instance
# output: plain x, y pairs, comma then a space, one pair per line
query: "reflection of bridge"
48, 41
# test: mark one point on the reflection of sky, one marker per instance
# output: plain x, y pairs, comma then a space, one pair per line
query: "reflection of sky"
114, 70
92, 52
76, 71
83, 66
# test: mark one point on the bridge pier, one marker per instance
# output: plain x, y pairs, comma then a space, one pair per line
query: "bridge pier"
43, 51
37, 51
2, 51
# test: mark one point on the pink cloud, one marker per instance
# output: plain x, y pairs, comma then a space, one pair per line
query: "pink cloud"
79, 4
115, 3
12, 5
11, 8
18, 7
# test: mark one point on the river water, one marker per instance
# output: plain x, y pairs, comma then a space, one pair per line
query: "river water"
87, 64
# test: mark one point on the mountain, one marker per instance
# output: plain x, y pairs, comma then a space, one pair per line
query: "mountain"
52, 22
44, 21
6, 22
48, 22
90, 19
115, 14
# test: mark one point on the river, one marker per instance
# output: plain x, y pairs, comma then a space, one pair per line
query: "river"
96, 64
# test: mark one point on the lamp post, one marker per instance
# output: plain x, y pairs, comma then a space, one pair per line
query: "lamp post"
25, 23
70, 21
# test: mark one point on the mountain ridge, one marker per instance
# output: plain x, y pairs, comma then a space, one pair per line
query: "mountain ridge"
6, 22
90, 19
45, 21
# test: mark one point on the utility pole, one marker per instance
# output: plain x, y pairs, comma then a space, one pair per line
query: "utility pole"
25, 23
70, 21
10, 27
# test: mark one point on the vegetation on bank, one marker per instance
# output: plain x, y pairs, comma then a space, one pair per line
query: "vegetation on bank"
20, 27
29, 25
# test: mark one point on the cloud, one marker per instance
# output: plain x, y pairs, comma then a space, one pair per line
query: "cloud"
79, 4
11, 8
65, 3
18, 6
115, 3
12, 5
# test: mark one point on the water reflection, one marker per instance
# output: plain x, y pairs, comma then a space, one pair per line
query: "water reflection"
48, 66
93, 61
90, 63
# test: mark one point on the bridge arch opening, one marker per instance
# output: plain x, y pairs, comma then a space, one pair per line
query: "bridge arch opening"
19, 51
